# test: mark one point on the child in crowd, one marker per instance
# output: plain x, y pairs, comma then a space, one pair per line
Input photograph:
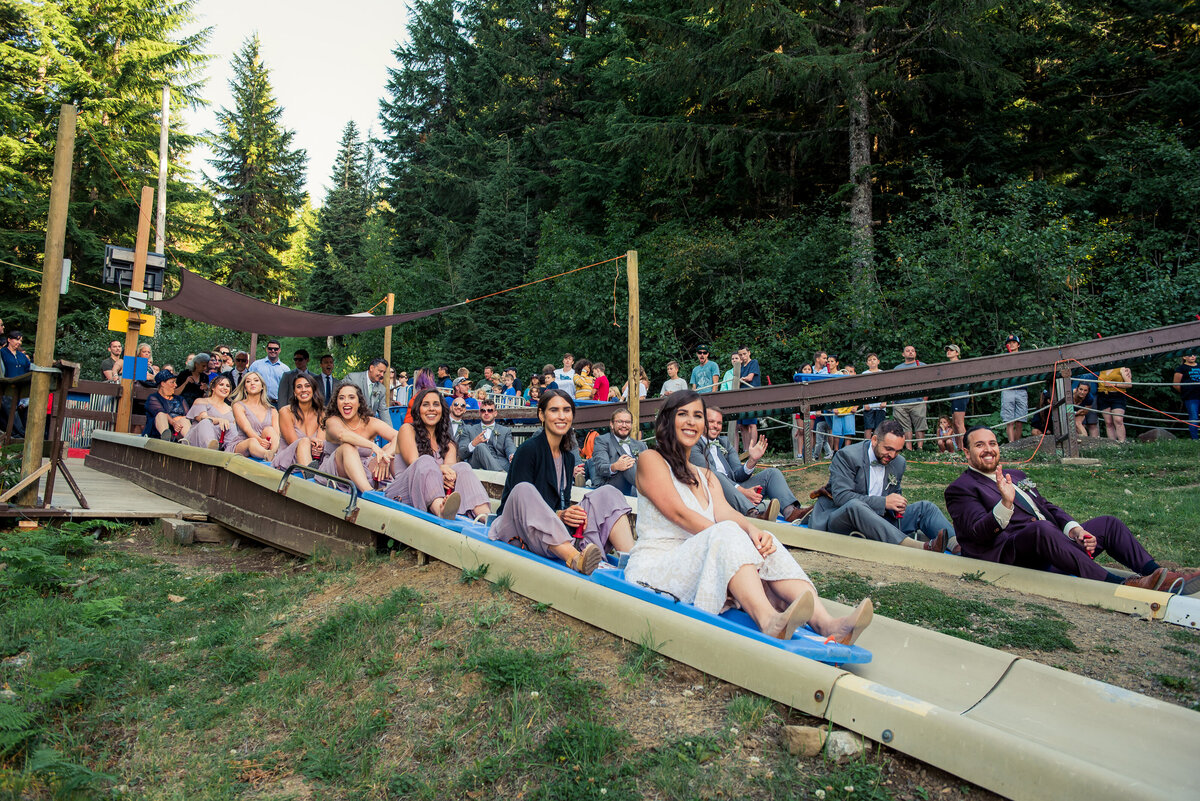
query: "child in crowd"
947, 440
600, 388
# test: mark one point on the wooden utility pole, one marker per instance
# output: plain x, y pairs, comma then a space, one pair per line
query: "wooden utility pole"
43, 352
387, 333
138, 283
634, 357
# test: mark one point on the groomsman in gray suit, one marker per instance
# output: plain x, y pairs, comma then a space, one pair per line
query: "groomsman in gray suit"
370, 381
615, 453
760, 495
489, 445
864, 496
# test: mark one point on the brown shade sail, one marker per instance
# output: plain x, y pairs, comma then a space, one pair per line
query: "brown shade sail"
204, 301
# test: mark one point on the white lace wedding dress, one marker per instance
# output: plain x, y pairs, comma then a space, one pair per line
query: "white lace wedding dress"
696, 568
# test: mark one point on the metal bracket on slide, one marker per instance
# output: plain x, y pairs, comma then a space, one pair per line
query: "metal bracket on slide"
1183, 610
351, 510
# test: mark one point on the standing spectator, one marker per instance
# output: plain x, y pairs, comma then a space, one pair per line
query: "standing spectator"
565, 378
1014, 403
401, 391
1187, 384
443, 376
873, 413
507, 379
516, 382
706, 376
194, 385
910, 412
583, 381
751, 377
643, 385
959, 399
601, 389
16, 363
241, 365
326, 382
534, 381
300, 358
729, 380
370, 383
489, 381
843, 418
549, 381
271, 369
144, 352
1110, 400
110, 368
673, 383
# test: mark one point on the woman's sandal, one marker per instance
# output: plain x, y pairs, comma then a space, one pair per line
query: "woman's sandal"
861, 617
799, 612
450, 509
587, 560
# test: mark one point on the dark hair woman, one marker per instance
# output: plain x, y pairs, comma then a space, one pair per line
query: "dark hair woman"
429, 475
536, 509
694, 545
212, 416
350, 427
302, 424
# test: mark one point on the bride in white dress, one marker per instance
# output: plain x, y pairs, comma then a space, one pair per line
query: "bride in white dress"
692, 544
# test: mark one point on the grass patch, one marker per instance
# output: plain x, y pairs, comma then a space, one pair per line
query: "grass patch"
1183, 684
643, 660
471, 575
748, 712
968, 619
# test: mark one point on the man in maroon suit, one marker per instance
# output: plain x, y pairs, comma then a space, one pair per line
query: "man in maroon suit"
1000, 516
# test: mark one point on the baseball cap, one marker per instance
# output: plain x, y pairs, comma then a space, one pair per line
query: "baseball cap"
954, 348
1013, 338
702, 349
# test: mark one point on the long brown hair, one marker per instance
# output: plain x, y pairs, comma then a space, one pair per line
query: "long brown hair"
665, 441
317, 401
331, 409
568, 440
441, 429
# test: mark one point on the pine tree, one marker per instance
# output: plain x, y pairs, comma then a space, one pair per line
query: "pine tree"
110, 57
336, 244
259, 183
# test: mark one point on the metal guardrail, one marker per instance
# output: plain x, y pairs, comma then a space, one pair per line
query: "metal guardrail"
309, 472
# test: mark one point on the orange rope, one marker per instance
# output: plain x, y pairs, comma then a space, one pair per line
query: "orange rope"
1126, 394
540, 280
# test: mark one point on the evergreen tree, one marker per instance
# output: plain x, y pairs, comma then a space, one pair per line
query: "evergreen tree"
336, 244
110, 57
259, 182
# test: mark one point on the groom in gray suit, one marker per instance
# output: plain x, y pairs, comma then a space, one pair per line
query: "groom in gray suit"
864, 495
615, 453
760, 495
489, 445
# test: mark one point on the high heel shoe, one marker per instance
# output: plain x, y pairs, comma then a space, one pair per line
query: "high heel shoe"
860, 618
799, 612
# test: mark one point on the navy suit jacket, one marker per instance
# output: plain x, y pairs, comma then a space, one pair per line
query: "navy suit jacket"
970, 499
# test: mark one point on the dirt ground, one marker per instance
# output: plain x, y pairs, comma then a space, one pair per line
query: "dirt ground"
682, 701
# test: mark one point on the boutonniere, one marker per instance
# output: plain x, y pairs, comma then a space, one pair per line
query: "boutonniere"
1027, 485
724, 451
891, 482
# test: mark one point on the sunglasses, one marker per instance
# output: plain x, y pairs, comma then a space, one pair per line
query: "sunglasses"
459, 406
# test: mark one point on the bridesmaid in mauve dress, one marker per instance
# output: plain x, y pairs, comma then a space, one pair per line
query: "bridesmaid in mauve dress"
302, 423
212, 417
350, 431
428, 474
257, 431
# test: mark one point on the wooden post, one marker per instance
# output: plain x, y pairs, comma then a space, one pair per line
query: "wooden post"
253, 350
47, 324
125, 406
387, 335
1063, 415
634, 357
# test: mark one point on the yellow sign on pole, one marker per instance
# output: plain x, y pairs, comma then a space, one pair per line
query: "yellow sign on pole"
118, 320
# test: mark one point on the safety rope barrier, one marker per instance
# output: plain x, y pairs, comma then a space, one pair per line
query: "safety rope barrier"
71, 280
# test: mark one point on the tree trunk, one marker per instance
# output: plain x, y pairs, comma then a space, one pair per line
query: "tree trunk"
863, 237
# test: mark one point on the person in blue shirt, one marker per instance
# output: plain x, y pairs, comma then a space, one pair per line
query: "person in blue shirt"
271, 369
751, 377
706, 376
1083, 391
16, 363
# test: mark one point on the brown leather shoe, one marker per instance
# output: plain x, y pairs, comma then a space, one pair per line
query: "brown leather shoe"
1191, 581
938, 543
767, 515
798, 512
1154, 581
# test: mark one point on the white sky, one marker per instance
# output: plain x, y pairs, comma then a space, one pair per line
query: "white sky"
328, 65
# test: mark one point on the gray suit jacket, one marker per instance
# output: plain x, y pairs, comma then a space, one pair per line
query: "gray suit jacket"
374, 392
850, 480
501, 442
733, 465
607, 450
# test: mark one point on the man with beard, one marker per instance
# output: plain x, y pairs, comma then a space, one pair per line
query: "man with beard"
615, 454
1000, 516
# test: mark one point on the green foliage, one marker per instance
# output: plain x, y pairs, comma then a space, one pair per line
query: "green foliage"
258, 185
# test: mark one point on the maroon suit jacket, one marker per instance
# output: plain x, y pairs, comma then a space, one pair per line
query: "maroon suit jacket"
970, 500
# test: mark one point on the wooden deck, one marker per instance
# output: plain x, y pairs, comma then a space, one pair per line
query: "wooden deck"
112, 497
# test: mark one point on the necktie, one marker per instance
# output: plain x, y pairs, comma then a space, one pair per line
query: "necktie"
328, 387
1026, 504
